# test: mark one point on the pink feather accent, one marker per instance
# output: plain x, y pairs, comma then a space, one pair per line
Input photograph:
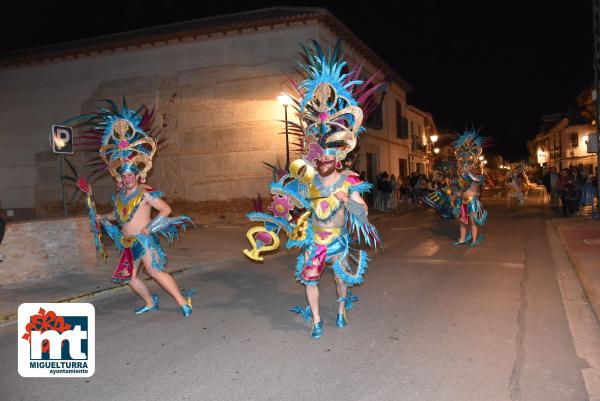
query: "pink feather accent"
354, 179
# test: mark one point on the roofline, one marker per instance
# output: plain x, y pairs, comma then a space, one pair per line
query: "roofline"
140, 37
184, 31
365, 50
417, 110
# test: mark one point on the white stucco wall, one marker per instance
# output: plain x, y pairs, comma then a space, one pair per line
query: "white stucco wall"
385, 143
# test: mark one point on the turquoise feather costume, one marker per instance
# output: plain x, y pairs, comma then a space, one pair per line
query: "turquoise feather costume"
126, 144
331, 103
468, 149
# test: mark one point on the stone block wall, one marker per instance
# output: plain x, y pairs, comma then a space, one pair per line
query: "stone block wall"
215, 102
46, 248
219, 125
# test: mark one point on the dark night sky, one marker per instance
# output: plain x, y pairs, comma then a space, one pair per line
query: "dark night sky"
498, 66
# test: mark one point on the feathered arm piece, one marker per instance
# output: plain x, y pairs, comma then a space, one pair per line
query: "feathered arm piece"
169, 227
365, 231
94, 225
113, 233
356, 217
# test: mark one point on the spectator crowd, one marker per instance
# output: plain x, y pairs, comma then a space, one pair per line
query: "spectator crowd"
389, 192
570, 188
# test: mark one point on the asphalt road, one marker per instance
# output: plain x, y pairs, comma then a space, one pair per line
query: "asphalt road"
435, 322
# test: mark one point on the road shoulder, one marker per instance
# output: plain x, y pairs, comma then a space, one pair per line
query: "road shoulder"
582, 321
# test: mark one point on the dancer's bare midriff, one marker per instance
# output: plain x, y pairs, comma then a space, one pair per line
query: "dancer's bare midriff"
472, 191
139, 221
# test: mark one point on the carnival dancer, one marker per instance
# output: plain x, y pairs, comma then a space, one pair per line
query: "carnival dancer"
468, 209
441, 198
318, 204
126, 144
526, 183
518, 185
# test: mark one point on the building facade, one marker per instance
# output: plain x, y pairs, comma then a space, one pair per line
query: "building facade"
213, 83
564, 143
421, 128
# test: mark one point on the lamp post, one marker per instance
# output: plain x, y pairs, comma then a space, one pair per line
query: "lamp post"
285, 100
433, 138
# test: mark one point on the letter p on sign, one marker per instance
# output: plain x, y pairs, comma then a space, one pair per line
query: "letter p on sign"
62, 139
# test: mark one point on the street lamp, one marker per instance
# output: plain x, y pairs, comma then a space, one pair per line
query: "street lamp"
285, 100
433, 138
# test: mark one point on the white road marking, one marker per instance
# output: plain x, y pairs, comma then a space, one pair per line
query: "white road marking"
454, 262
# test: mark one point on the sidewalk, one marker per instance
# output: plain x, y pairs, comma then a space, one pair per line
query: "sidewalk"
204, 248
580, 237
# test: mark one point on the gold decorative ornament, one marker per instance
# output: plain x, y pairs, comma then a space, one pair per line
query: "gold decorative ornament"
255, 252
302, 171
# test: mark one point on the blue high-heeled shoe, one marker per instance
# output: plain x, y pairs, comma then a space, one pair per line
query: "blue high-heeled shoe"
145, 309
186, 310
477, 241
466, 241
317, 329
341, 320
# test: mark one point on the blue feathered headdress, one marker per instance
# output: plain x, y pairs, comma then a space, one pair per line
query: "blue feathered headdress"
331, 102
123, 137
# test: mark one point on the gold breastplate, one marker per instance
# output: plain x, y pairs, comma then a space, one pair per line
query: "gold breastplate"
125, 207
325, 207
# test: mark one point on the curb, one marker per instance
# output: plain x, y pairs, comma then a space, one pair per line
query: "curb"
589, 291
10, 318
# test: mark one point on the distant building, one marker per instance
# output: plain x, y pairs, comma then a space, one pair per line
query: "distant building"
563, 142
421, 128
213, 82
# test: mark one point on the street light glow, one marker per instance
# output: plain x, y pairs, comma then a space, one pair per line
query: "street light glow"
436, 150
480, 157
284, 99
433, 138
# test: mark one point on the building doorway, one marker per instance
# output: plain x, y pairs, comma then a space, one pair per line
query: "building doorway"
371, 167
403, 167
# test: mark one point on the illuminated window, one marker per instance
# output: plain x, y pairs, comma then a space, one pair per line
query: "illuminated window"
574, 140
